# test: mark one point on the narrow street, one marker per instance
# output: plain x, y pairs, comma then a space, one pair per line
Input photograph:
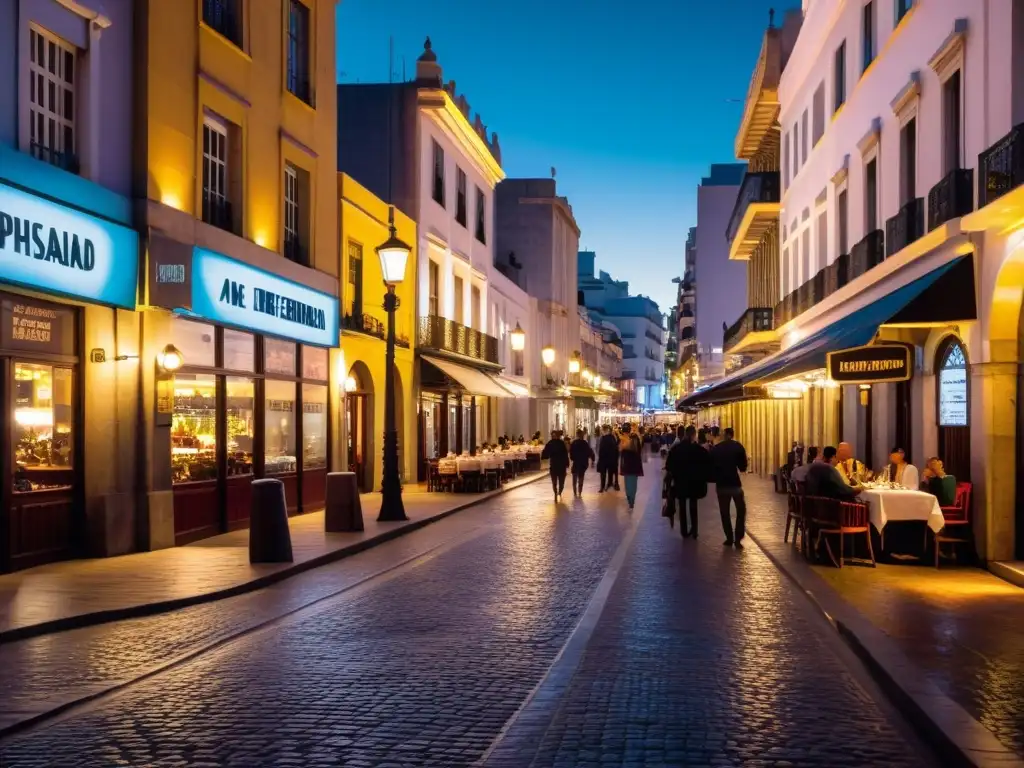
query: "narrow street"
428, 651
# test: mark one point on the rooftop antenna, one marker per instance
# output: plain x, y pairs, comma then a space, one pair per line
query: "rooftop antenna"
391, 103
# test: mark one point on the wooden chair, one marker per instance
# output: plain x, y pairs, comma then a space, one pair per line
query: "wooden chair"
956, 517
844, 518
433, 478
447, 475
794, 516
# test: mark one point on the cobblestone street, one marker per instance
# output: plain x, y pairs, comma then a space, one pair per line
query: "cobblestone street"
420, 651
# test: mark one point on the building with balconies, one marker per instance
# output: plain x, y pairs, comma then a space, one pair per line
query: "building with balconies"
901, 239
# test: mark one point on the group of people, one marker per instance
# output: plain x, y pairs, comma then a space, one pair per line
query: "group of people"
836, 473
619, 452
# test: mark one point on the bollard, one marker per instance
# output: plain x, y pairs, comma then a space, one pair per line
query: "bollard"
343, 512
270, 540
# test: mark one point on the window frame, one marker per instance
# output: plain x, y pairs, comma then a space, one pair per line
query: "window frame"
298, 69
869, 36
481, 216
839, 78
433, 288
58, 52
216, 178
438, 179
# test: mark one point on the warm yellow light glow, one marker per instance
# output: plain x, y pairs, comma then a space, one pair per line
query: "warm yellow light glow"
350, 383
547, 356
261, 239
518, 338
169, 198
170, 358
597, 381
574, 364
34, 417
588, 375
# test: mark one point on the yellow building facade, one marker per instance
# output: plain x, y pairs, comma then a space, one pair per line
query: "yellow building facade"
364, 226
236, 125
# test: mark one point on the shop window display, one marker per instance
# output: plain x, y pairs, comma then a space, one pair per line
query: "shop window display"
279, 427
239, 351
314, 363
194, 428
241, 410
314, 426
197, 342
43, 417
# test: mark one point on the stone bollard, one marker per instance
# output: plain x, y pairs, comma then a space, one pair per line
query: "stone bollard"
343, 512
270, 540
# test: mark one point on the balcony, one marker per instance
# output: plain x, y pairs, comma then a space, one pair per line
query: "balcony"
218, 212
905, 227
1001, 167
652, 355
837, 274
951, 198
67, 161
869, 252
294, 251
225, 17
757, 208
754, 328
371, 326
653, 336
761, 108
444, 335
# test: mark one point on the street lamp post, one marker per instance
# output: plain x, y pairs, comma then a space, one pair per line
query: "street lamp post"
393, 255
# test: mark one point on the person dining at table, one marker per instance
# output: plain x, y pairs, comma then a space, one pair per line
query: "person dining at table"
899, 471
935, 481
824, 479
850, 469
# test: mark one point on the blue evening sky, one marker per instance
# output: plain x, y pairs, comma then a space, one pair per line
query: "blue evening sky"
629, 101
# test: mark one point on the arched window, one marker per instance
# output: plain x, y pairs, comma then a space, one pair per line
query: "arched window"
952, 380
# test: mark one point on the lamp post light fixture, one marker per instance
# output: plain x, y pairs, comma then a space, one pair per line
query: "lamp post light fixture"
597, 381
170, 358
547, 356
574, 363
393, 255
518, 338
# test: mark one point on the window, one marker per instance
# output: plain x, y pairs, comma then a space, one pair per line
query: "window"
953, 386
43, 419
239, 351
279, 356
842, 223
298, 51
803, 139
474, 306
460, 196
459, 303
951, 123
517, 362
295, 187
785, 272
438, 174
193, 428
796, 149
279, 427
434, 279
314, 426
225, 17
315, 363
871, 196
867, 30
481, 216
805, 246
902, 9
839, 75
908, 161
216, 200
52, 95
819, 115
196, 341
355, 277
785, 161
822, 254
794, 265
240, 406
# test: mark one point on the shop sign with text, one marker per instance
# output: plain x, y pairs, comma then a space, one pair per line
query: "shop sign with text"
36, 326
873, 364
53, 248
231, 292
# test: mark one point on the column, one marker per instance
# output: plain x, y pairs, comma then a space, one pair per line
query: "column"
993, 417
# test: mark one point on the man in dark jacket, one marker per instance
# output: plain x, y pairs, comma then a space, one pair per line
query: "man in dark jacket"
823, 479
688, 466
558, 462
608, 459
581, 454
728, 460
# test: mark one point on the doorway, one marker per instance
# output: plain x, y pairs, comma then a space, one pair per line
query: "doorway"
358, 425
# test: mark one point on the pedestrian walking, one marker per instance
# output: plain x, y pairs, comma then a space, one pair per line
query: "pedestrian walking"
689, 469
558, 462
631, 462
608, 459
581, 455
728, 460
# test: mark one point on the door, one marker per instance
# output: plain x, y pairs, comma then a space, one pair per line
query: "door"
355, 416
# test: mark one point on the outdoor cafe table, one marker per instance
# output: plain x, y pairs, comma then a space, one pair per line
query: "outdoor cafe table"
885, 505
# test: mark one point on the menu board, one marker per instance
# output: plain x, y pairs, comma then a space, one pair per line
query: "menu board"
953, 397
36, 326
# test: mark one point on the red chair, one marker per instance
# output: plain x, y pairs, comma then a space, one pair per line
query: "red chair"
956, 517
845, 518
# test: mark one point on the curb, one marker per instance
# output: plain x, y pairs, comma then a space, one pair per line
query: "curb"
93, 618
956, 736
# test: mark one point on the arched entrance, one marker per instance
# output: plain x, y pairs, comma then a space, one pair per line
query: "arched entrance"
359, 425
953, 407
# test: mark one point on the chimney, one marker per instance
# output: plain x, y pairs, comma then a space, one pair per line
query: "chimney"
428, 71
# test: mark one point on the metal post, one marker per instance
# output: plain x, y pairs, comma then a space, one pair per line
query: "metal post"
391, 507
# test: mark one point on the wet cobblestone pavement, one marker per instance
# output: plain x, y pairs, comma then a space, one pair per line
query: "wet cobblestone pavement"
701, 657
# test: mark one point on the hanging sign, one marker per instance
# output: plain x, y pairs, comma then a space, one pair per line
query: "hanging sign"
51, 247
873, 364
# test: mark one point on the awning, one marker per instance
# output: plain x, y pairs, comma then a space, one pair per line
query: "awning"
471, 380
854, 330
585, 401
517, 389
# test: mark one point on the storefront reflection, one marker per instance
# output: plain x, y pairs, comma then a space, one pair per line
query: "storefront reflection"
43, 414
194, 428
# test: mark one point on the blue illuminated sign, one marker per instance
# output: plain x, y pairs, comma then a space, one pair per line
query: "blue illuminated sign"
54, 248
228, 291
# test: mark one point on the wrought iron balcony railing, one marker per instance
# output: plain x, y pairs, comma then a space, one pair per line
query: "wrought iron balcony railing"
869, 252
905, 227
753, 320
217, 211
446, 335
951, 198
66, 160
371, 326
757, 187
1001, 167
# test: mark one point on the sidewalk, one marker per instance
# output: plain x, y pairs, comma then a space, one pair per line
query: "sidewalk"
76, 593
945, 642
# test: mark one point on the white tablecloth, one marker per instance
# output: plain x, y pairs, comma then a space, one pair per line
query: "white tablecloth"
886, 505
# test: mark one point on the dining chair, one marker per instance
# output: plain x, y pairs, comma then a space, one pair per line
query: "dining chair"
794, 516
847, 518
956, 517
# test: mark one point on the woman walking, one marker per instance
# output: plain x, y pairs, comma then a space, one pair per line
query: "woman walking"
631, 461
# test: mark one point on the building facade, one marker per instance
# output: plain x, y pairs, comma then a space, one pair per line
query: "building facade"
537, 242
235, 174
